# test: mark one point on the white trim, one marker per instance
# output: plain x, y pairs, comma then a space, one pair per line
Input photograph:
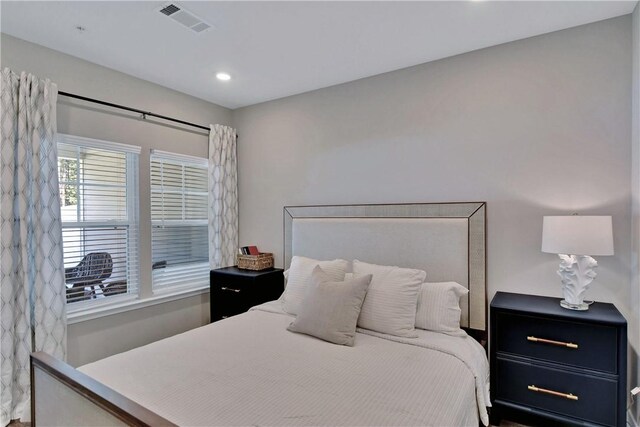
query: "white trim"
94, 304
111, 309
165, 155
97, 143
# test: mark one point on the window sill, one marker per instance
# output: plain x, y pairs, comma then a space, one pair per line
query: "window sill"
133, 304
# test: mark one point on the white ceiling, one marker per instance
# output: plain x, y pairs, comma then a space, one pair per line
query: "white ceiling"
276, 49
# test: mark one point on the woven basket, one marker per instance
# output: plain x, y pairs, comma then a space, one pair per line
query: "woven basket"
255, 262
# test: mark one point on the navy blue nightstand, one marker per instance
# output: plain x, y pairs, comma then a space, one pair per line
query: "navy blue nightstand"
234, 291
553, 366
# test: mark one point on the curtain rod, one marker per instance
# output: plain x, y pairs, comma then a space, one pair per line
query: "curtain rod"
135, 110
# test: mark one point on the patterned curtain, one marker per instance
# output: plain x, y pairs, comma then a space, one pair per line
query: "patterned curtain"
223, 196
33, 315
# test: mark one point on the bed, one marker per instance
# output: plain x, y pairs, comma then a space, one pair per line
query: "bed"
250, 370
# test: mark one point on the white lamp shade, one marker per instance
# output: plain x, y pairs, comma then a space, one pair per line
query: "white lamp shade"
577, 235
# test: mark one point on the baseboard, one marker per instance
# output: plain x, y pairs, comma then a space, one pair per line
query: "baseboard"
631, 420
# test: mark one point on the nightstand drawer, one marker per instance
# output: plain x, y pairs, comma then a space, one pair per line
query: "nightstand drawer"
584, 345
231, 288
232, 298
555, 390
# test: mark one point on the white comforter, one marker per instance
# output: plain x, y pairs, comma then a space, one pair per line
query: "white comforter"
249, 370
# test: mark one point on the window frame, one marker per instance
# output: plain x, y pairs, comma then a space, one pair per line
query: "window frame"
131, 224
183, 161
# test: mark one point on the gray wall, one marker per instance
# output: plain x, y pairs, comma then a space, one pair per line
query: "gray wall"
635, 186
95, 339
535, 127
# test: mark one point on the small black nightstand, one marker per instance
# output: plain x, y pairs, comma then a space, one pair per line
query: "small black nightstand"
234, 291
552, 366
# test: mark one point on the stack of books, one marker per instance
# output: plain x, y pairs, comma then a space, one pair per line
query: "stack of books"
248, 250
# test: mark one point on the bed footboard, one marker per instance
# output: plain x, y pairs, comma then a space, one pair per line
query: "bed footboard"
64, 396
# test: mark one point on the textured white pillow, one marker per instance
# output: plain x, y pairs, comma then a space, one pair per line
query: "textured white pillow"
330, 309
390, 304
299, 279
439, 307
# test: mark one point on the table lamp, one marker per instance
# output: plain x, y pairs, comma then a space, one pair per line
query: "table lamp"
575, 238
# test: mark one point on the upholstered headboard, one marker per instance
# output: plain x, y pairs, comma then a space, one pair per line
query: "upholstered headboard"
447, 240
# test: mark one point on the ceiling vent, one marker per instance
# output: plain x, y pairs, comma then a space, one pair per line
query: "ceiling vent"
187, 19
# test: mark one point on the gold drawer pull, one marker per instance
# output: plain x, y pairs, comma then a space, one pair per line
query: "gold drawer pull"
554, 393
224, 288
552, 342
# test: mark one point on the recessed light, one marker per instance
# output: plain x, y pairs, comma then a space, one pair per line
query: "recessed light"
223, 76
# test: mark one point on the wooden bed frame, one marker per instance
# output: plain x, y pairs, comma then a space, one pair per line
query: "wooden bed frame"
62, 395
84, 401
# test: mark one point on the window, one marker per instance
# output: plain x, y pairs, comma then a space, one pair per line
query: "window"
179, 206
99, 200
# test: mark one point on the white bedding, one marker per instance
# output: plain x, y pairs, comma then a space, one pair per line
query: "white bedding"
249, 370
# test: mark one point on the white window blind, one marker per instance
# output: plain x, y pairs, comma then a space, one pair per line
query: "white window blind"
179, 218
99, 199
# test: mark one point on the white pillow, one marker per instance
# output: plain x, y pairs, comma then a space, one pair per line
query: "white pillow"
390, 304
299, 279
439, 307
330, 309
